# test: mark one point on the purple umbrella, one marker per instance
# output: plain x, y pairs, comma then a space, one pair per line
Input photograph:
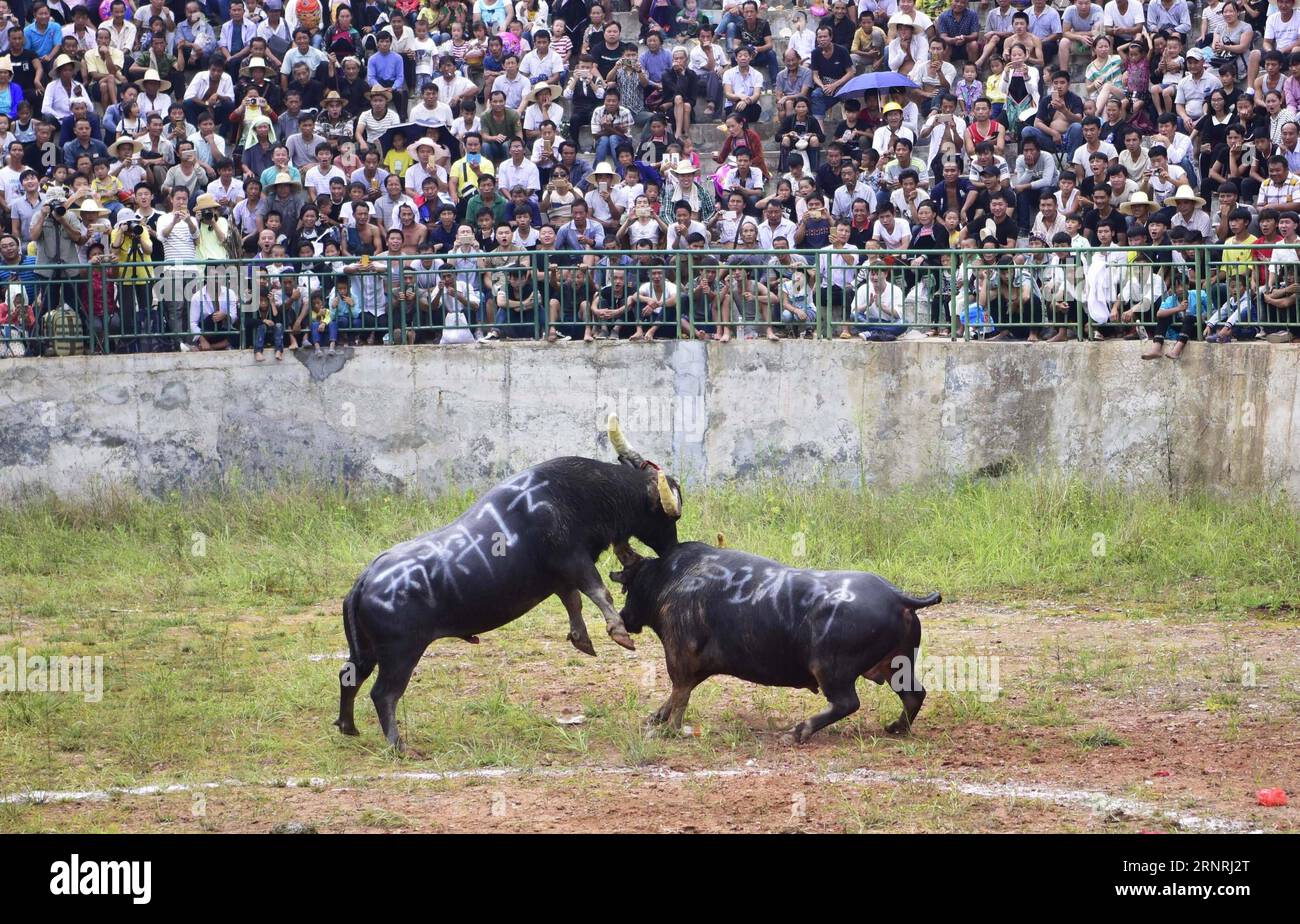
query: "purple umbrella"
875, 81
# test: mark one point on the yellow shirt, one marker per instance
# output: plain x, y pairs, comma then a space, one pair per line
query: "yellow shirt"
106, 190
992, 89
1237, 255
398, 162
97, 67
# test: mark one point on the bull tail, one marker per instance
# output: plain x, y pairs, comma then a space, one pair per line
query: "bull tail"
361, 662
360, 650
918, 603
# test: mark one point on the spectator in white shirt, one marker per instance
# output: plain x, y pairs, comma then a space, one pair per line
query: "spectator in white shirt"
742, 86
210, 89
518, 170
541, 64
909, 52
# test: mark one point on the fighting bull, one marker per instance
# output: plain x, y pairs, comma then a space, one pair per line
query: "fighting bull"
535, 535
722, 611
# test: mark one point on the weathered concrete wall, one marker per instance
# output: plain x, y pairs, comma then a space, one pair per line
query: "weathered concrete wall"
883, 415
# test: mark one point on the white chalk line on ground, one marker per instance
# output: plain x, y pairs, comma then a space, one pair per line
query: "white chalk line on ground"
1092, 800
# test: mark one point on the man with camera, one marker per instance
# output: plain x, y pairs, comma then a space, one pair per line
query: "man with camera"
58, 232
214, 230
131, 243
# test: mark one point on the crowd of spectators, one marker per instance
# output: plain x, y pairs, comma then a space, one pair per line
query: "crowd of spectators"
229, 174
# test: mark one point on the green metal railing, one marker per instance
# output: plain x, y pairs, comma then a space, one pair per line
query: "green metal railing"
709, 293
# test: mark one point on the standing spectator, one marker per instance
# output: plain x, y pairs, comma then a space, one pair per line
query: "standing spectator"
179, 232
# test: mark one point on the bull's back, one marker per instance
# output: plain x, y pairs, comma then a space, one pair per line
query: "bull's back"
766, 622
484, 569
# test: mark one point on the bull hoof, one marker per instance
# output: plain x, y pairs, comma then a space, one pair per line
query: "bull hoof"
582, 643
900, 726
796, 736
472, 639
346, 728
620, 636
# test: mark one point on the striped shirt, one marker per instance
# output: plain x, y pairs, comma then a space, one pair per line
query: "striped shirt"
1271, 195
177, 237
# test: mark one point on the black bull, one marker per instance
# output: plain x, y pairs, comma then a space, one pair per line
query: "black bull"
535, 535
721, 611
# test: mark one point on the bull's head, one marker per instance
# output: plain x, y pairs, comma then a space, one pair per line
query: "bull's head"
664, 494
632, 564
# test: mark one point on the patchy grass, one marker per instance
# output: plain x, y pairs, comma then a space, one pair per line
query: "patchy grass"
1098, 738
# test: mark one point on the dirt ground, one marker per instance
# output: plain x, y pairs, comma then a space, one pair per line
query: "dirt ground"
1103, 723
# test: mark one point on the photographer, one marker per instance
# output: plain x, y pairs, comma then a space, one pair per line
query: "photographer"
214, 230
131, 243
58, 232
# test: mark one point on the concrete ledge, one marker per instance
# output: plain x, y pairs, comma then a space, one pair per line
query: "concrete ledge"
878, 415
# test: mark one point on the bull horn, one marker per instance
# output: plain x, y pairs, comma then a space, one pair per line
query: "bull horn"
621, 448
667, 499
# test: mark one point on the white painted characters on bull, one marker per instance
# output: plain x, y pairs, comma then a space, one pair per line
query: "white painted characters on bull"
433, 566
775, 584
527, 492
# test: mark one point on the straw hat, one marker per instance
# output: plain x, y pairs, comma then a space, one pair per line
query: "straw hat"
91, 208
61, 60
206, 201
6, 64
902, 19
377, 90
152, 74
252, 63
425, 142
1139, 198
284, 178
1184, 194
531, 95
685, 168
332, 97
602, 169
116, 146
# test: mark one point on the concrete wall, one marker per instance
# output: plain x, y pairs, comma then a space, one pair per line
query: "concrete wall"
875, 414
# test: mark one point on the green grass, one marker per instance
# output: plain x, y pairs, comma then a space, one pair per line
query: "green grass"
981, 540
206, 610
1096, 738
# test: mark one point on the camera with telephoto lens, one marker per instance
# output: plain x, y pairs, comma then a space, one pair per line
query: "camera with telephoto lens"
134, 228
54, 195
208, 215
